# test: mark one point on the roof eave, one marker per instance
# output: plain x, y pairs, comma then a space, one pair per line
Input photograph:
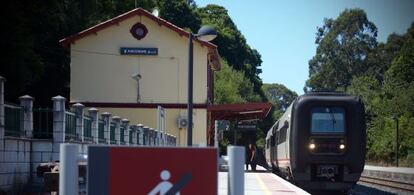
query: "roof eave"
66, 42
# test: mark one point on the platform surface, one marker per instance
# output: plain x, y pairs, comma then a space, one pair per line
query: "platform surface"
398, 174
261, 182
405, 170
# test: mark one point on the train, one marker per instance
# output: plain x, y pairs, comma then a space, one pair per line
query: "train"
319, 142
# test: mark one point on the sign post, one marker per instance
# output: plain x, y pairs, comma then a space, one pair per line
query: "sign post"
161, 117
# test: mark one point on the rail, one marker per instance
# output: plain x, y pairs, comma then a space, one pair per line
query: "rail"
101, 130
12, 121
39, 123
112, 133
70, 126
87, 128
43, 123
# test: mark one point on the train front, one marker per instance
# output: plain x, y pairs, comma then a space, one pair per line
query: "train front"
328, 141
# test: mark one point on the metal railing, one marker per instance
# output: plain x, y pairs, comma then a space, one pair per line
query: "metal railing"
13, 120
130, 136
42, 123
70, 126
87, 128
101, 131
122, 133
43, 128
112, 133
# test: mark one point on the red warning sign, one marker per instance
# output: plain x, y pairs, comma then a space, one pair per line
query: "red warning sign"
156, 171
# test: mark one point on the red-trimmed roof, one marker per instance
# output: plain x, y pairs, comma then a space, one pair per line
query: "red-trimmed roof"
244, 111
114, 21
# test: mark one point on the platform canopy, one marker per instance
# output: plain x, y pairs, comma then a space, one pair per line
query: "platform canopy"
235, 112
242, 111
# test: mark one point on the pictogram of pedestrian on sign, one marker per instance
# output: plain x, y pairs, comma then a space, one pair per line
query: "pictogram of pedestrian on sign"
167, 188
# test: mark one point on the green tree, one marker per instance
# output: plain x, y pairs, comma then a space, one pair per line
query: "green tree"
344, 44
32, 57
20, 64
387, 93
231, 86
379, 59
368, 88
181, 13
399, 93
232, 45
280, 96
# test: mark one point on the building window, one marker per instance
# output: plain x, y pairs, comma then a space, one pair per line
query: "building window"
139, 31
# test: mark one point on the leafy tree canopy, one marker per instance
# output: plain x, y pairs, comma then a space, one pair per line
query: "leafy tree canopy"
231, 86
344, 44
180, 13
280, 96
232, 44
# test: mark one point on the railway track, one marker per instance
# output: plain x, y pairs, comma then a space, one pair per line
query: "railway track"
404, 186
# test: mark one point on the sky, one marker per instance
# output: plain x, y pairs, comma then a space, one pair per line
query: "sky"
284, 31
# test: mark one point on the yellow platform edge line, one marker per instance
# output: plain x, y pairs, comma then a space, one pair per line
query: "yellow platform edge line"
262, 185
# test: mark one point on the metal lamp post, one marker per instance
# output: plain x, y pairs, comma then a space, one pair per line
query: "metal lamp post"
206, 33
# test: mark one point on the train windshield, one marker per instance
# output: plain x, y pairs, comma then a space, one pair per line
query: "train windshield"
328, 120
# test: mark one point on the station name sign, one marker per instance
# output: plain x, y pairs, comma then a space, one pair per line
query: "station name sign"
138, 51
246, 127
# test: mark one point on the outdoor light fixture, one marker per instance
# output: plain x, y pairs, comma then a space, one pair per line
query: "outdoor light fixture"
342, 146
312, 146
206, 33
137, 77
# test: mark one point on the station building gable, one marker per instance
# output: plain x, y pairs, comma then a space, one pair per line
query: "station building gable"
130, 76
106, 57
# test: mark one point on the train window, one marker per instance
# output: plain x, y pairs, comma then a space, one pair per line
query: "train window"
272, 141
328, 120
277, 137
282, 135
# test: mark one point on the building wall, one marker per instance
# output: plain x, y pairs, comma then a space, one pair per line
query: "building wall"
14, 164
100, 74
149, 118
19, 161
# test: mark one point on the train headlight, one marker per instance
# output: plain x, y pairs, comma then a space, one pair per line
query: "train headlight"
342, 146
312, 146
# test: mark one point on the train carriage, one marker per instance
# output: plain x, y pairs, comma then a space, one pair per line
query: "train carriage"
319, 142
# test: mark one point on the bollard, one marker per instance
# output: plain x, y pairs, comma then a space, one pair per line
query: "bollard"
236, 170
69, 175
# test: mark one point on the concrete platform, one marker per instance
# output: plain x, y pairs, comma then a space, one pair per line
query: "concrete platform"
400, 174
261, 182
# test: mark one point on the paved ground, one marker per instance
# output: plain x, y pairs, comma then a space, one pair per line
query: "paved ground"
261, 183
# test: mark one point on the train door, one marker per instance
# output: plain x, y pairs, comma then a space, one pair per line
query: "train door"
268, 156
272, 148
275, 148
287, 127
282, 146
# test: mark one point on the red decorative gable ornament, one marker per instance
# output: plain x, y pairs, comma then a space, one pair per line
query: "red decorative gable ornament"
139, 31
